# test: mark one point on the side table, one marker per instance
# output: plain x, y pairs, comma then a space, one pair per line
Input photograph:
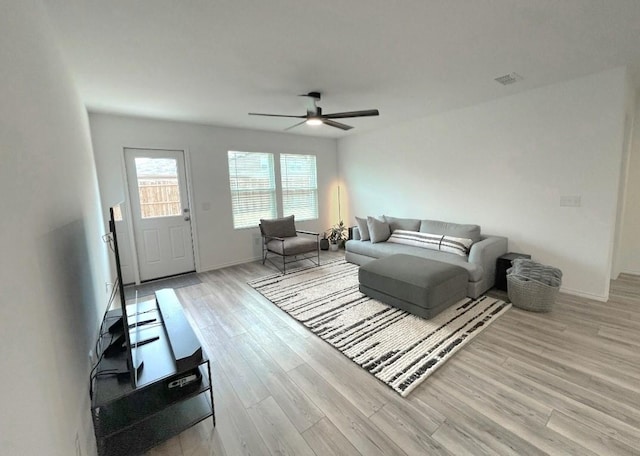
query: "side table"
502, 264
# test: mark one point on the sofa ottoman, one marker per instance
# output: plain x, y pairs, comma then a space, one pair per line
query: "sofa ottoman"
417, 285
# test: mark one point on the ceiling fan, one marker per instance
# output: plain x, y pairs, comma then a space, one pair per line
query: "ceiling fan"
315, 116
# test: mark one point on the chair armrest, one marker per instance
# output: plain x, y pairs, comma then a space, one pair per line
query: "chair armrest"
308, 232
486, 252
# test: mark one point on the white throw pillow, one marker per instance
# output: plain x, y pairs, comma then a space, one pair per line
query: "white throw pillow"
449, 244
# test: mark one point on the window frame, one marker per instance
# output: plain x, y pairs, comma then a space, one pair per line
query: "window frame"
270, 190
278, 190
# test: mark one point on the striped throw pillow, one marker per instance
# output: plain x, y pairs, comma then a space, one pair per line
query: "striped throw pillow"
449, 244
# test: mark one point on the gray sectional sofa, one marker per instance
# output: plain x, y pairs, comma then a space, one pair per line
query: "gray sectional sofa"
480, 262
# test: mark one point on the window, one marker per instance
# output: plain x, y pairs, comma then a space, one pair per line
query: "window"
253, 188
299, 186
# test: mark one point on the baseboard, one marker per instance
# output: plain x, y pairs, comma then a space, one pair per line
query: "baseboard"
582, 294
631, 272
232, 263
226, 265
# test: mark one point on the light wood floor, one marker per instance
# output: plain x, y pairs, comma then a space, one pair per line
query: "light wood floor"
566, 382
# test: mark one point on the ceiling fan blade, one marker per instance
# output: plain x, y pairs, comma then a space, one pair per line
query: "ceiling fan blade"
344, 115
294, 126
339, 125
314, 95
276, 115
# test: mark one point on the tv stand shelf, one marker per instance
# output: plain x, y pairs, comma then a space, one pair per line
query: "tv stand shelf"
129, 420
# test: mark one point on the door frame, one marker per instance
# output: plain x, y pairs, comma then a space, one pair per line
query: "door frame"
129, 213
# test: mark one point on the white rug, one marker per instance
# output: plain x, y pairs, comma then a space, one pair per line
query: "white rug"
400, 349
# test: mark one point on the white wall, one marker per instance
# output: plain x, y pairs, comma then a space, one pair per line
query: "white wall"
504, 165
53, 260
630, 250
219, 244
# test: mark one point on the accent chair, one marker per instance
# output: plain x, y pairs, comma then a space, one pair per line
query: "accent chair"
280, 237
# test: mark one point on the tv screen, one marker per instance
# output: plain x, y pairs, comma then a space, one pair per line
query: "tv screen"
121, 328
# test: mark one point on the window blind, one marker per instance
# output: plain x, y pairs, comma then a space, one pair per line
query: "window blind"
253, 188
299, 186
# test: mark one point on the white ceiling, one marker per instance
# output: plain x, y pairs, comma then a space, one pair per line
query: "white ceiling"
213, 61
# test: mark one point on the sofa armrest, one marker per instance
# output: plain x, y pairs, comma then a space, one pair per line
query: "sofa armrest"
355, 233
486, 252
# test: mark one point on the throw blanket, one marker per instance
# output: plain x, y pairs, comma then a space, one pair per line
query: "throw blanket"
443, 243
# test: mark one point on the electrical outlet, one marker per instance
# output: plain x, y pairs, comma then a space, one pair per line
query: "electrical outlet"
570, 201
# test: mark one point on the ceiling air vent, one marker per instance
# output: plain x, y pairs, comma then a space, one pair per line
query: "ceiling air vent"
509, 78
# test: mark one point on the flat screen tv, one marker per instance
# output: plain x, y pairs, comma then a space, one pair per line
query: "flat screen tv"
120, 328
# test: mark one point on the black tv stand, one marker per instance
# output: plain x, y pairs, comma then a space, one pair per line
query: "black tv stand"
124, 374
142, 323
170, 395
117, 327
144, 342
116, 347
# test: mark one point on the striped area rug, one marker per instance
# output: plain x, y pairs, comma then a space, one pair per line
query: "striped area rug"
400, 349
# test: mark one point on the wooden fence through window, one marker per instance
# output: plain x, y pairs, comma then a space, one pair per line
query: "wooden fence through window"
159, 197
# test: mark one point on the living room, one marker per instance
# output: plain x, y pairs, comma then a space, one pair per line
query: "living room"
503, 162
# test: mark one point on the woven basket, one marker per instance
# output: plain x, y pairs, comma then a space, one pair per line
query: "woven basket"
530, 294
533, 286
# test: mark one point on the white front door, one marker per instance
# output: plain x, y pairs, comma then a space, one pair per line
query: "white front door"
160, 212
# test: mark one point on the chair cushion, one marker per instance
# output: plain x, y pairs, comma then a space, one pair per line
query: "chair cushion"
293, 245
281, 227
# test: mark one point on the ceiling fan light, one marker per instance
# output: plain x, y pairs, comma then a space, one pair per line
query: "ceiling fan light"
314, 121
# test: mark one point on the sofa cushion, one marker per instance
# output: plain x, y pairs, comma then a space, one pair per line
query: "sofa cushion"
451, 229
280, 227
407, 224
384, 249
378, 230
363, 228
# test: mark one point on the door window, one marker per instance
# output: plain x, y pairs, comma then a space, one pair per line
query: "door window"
158, 187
